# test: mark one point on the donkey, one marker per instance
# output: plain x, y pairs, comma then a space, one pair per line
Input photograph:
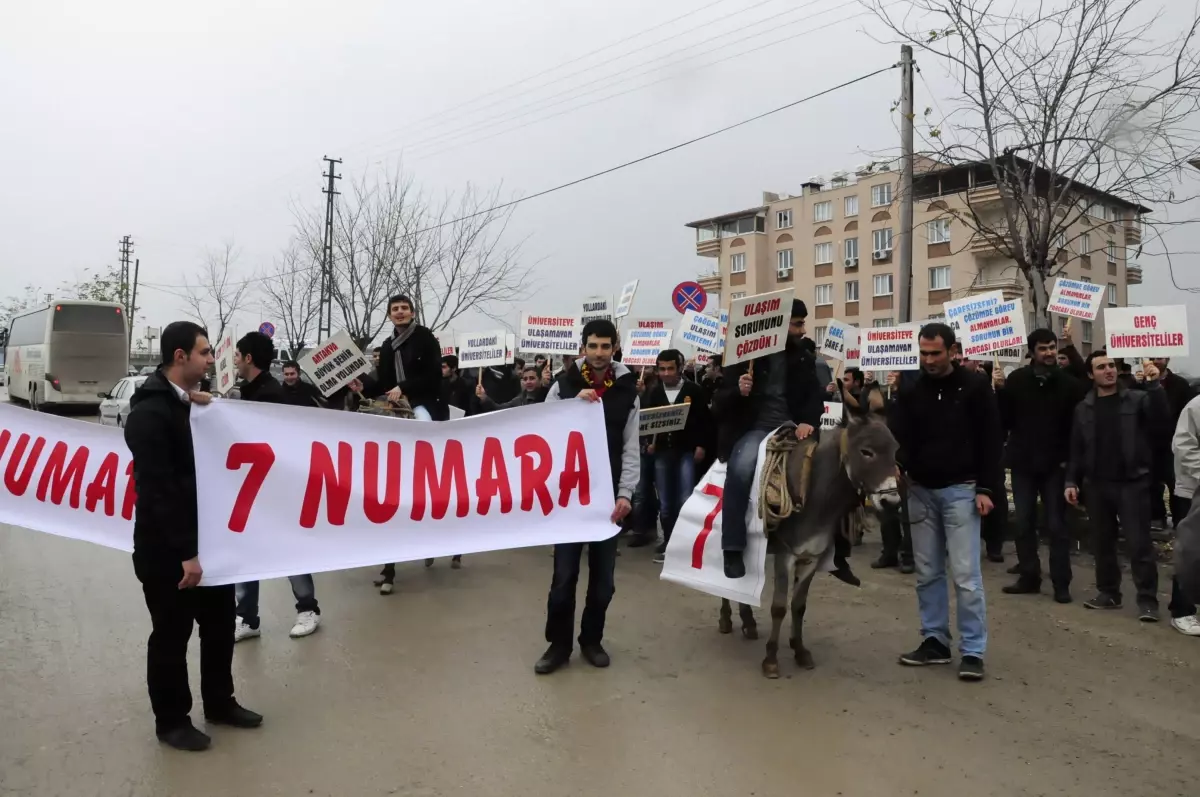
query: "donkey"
849, 464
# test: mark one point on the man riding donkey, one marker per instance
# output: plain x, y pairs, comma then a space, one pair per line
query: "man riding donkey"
754, 401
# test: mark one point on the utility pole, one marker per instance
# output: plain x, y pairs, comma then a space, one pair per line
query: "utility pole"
325, 311
137, 264
906, 183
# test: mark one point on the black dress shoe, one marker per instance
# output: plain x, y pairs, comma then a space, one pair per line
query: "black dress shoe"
234, 716
186, 738
735, 567
595, 655
1023, 586
908, 568
1062, 594
552, 659
884, 562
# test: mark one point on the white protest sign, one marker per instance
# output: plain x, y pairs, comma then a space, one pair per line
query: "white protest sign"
758, 326
596, 307
447, 340
702, 358
226, 373
642, 346
1146, 331
625, 303
1076, 299
890, 348
724, 319
510, 347
986, 323
334, 363
831, 418
853, 349
840, 337
660, 420
701, 331
553, 335
652, 323
482, 349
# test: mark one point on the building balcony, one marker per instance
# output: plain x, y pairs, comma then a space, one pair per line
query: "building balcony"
984, 195
1013, 287
1133, 233
1133, 274
708, 247
711, 283
987, 245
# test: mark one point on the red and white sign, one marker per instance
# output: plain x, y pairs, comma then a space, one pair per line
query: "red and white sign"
226, 373
758, 326
334, 363
447, 340
1146, 331
552, 335
986, 323
831, 418
890, 348
1076, 299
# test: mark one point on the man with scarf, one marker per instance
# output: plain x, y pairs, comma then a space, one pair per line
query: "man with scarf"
410, 365
594, 377
782, 388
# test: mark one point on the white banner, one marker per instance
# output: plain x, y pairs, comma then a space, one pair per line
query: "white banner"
643, 345
1076, 299
840, 337
625, 303
596, 307
226, 373
553, 335
986, 323
701, 331
1146, 331
758, 326
483, 349
334, 363
831, 418
890, 348
660, 420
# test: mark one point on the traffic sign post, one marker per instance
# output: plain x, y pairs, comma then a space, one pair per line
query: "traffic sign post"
689, 296
267, 328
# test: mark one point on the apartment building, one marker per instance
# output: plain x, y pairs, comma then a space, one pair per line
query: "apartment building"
834, 244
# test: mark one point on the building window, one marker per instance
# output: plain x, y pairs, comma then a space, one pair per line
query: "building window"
939, 278
823, 294
1085, 244
737, 295
819, 335
1112, 294
1086, 327
881, 195
850, 249
823, 211
938, 231
883, 322
1060, 241
823, 253
852, 291
783, 219
851, 206
743, 226
737, 263
1112, 252
883, 284
881, 240
783, 261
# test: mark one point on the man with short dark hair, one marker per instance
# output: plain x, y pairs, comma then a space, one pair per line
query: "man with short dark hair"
948, 428
455, 390
594, 377
165, 548
532, 392
1036, 405
296, 391
1112, 456
409, 365
252, 358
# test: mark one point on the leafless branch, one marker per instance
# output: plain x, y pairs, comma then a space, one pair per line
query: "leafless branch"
215, 295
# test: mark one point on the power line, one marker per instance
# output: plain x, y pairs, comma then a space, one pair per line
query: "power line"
610, 170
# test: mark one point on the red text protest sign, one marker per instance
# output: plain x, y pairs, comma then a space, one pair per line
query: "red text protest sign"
1146, 331
758, 326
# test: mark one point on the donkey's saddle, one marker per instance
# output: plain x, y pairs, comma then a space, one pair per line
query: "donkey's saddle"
781, 492
398, 409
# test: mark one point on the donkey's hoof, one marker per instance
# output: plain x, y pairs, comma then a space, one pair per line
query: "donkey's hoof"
725, 625
770, 668
750, 631
805, 659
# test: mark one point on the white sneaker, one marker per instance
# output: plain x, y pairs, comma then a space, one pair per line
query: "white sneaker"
1189, 626
306, 623
243, 631
385, 588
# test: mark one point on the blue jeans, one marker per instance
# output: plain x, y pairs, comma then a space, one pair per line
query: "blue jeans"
303, 590
945, 531
739, 482
675, 476
560, 605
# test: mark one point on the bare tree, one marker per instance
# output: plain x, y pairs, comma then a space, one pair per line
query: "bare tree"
291, 293
1058, 105
215, 295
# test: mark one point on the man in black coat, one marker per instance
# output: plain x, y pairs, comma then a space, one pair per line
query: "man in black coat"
410, 365
296, 391
1178, 393
455, 390
1036, 404
165, 548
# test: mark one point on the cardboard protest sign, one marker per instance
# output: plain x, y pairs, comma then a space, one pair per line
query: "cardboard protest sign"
758, 325
831, 418
226, 375
986, 323
447, 340
702, 358
595, 307
1076, 299
853, 349
652, 323
641, 347
335, 363
549, 334
890, 348
839, 338
724, 319
1146, 331
482, 350
625, 303
510, 347
661, 420
701, 331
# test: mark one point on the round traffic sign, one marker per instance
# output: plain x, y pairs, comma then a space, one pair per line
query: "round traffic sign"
267, 328
689, 296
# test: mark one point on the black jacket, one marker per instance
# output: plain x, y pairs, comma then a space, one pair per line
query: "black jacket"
697, 432
263, 388
949, 431
456, 392
1036, 409
422, 385
736, 414
302, 394
159, 436
621, 405
1179, 393
1144, 416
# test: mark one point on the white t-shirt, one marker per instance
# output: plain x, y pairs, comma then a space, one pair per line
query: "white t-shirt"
672, 392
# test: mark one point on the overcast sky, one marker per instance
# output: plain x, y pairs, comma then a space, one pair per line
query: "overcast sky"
185, 126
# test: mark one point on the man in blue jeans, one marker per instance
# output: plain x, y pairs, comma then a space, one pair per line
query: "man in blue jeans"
948, 428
